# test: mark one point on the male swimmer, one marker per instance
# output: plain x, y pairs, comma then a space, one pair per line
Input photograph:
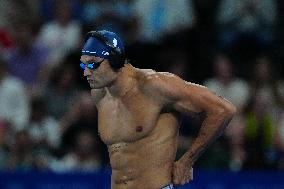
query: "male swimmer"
138, 112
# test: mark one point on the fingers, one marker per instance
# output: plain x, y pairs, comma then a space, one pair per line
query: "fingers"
176, 175
182, 175
182, 181
191, 174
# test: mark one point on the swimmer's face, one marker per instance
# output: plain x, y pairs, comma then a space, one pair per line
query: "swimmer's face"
97, 71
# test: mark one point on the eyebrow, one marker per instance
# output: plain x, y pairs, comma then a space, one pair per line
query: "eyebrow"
85, 61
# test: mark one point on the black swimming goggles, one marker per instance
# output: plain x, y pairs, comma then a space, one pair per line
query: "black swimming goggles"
91, 65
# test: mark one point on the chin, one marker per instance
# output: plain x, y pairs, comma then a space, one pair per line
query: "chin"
96, 86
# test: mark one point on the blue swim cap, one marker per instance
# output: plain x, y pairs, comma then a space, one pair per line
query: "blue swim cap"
101, 43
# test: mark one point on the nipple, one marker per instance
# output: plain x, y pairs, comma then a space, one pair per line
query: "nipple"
139, 129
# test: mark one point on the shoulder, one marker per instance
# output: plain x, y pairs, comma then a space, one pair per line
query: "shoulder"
153, 80
149, 76
165, 85
150, 79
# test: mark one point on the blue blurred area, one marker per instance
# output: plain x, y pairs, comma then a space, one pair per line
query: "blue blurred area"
35, 180
101, 180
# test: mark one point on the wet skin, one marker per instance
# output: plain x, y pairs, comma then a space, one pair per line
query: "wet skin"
138, 113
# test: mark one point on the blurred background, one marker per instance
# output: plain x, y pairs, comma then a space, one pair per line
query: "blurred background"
48, 122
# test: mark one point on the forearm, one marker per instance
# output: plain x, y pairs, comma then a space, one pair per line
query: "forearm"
211, 128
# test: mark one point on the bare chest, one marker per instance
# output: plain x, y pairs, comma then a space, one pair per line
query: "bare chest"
126, 120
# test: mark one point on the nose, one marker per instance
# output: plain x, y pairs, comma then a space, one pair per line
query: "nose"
87, 72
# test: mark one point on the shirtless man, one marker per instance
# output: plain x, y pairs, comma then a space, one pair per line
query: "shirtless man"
138, 113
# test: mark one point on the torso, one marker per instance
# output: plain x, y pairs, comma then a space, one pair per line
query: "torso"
141, 138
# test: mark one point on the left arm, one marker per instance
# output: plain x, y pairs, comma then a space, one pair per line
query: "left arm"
187, 97
219, 113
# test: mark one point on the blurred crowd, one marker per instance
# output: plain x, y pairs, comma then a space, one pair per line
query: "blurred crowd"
48, 121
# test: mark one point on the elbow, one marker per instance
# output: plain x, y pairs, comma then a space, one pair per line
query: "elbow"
232, 109
228, 110
225, 110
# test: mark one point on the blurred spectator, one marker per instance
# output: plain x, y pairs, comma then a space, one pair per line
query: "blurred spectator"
246, 19
47, 7
267, 84
28, 59
43, 129
157, 18
173, 60
23, 12
14, 103
6, 42
62, 34
110, 15
4, 147
236, 90
84, 157
262, 115
4, 9
226, 84
21, 156
259, 135
280, 141
61, 90
81, 114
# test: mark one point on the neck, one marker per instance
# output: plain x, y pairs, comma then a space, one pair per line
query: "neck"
124, 82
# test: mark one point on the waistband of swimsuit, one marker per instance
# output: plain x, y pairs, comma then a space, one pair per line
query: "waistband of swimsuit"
170, 186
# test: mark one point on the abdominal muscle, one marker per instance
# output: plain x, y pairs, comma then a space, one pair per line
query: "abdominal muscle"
146, 163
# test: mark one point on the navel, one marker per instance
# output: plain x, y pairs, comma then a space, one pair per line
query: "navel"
139, 129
